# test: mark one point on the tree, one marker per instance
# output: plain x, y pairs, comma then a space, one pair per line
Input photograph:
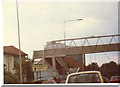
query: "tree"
27, 69
93, 66
119, 69
109, 69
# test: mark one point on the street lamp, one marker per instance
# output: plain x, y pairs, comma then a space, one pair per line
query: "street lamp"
20, 60
65, 21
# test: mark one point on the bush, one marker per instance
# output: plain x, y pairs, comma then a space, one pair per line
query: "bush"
10, 78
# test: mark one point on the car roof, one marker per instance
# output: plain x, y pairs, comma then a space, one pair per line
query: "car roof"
85, 72
115, 76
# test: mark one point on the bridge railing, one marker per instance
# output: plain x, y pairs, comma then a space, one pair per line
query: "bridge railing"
85, 41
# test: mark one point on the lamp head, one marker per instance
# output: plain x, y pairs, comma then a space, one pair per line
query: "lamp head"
79, 19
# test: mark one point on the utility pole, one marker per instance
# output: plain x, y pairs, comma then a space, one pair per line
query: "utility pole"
20, 62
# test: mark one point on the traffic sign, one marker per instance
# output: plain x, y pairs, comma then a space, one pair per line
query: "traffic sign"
40, 67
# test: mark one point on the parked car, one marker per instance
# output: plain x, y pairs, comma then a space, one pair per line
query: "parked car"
49, 82
85, 77
115, 79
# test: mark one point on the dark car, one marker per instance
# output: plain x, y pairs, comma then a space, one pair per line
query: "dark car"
115, 79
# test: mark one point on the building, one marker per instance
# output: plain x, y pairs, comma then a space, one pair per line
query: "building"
11, 58
64, 64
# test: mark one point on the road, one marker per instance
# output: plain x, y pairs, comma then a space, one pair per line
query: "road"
60, 85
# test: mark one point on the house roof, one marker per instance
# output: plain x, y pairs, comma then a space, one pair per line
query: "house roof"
13, 50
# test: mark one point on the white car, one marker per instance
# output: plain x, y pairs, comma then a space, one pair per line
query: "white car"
85, 77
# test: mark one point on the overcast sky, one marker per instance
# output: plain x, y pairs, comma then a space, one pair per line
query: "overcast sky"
41, 22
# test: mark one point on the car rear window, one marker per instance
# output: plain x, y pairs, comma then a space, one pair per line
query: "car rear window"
84, 78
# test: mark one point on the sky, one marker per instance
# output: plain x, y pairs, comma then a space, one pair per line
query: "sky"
41, 22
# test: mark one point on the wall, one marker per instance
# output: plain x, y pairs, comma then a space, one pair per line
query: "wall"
9, 62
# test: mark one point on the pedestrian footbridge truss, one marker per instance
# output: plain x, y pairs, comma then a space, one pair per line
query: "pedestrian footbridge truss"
85, 45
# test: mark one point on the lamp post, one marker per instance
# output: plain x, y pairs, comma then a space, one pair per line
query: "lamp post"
20, 61
65, 21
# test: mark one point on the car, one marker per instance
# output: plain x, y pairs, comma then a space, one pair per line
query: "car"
49, 82
85, 77
115, 79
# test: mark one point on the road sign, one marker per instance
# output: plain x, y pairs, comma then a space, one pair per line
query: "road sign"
40, 67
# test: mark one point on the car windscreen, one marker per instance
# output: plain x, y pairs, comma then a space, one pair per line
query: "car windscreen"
84, 78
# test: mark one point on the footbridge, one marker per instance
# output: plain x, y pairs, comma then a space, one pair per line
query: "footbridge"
85, 45
77, 47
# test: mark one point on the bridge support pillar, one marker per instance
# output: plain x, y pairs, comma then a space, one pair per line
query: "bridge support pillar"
53, 61
54, 66
83, 61
79, 59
